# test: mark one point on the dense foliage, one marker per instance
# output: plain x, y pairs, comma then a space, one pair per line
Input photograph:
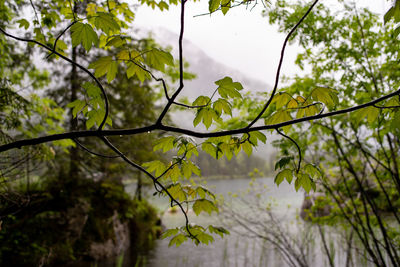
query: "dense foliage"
350, 51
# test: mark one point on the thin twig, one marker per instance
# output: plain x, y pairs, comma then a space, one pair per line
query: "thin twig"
92, 152
294, 142
155, 181
218, 9
381, 107
153, 77
59, 36
201, 106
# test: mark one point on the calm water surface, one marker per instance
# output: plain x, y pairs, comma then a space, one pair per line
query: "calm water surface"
240, 250
233, 250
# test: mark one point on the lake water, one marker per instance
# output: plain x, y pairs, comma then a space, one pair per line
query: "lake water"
232, 250
242, 248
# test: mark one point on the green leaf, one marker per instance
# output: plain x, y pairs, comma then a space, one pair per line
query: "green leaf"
210, 149
389, 14
116, 41
297, 184
157, 59
278, 117
140, 73
177, 240
174, 173
123, 55
85, 35
95, 116
206, 115
190, 192
204, 238
325, 95
281, 99
397, 31
284, 174
165, 143
155, 166
202, 192
305, 181
395, 124
90, 122
188, 168
283, 162
76, 106
201, 101
222, 105
227, 88
92, 90
23, 23
102, 66
169, 232
198, 118
112, 72
191, 150
218, 230
163, 5
312, 170
106, 22
225, 6
309, 111
213, 5
247, 148
176, 192
255, 136
204, 205
370, 112
292, 104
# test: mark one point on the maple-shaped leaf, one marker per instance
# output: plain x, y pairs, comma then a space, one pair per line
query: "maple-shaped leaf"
83, 33
106, 22
157, 59
227, 88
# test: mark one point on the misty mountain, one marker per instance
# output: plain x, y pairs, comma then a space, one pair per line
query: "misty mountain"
208, 71
206, 68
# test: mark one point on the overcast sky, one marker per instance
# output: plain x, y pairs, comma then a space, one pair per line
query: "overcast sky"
242, 39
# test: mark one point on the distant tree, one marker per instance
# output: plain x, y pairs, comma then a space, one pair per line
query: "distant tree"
349, 52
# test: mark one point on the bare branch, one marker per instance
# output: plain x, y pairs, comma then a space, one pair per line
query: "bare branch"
92, 152
297, 145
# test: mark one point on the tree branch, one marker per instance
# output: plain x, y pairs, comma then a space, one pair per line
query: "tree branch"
87, 133
297, 145
92, 152
155, 181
